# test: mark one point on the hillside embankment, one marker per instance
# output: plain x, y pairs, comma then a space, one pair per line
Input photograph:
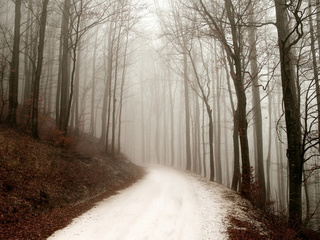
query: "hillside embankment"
45, 184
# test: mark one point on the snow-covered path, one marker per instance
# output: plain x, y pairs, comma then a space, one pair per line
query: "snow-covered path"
166, 204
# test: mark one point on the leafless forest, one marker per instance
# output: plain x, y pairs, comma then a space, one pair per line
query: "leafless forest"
224, 88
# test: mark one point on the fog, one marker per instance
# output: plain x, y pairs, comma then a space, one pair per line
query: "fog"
175, 83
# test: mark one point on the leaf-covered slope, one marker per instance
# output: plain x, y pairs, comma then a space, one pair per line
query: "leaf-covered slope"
43, 187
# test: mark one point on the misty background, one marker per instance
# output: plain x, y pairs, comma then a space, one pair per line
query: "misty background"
159, 82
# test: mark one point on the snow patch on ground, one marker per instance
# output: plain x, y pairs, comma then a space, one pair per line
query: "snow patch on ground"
166, 204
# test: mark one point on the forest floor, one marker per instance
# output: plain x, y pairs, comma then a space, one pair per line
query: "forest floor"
44, 186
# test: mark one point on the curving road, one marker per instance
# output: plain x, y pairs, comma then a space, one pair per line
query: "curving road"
166, 204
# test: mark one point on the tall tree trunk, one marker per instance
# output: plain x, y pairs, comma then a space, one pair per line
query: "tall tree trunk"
114, 100
76, 94
109, 80
59, 79
106, 99
195, 144
280, 162
93, 88
172, 140
209, 111
242, 102
257, 115
236, 151
203, 142
106, 92
36, 87
314, 63
158, 136
123, 80
64, 67
74, 53
217, 102
236, 154
187, 110
165, 130
226, 145
318, 27
14, 69
205, 98
27, 65
292, 115
197, 137
268, 160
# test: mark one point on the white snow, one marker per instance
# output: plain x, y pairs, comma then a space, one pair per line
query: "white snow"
166, 204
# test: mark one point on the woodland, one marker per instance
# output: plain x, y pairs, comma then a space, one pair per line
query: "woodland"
226, 89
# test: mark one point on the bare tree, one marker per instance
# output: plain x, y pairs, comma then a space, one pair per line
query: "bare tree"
233, 51
287, 38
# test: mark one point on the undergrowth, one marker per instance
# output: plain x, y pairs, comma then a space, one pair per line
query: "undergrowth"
263, 221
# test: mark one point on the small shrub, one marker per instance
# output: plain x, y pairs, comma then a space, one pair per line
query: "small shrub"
59, 139
254, 192
265, 225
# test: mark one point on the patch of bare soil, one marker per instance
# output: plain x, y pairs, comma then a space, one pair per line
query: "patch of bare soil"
43, 187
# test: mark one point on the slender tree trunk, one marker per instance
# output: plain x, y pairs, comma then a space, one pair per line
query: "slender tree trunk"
143, 142
106, 92
27, 65
226, 145
318, 27
236, 151
114, 100
196, 149
204, 142
314, 63
165, 130
268, 160
84, 97
209, 111
104, 113
187, 111
171, 120
93, 88
257, 115
123, 80
236, 154
36, 87
158, 136
106, 100
218, 119
75, 58
280, 163
205, 99
76, 94
14, 67
64, 67
59, 80
197, 136
109, 80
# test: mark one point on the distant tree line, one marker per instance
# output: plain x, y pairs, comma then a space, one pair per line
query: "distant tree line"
46, 47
